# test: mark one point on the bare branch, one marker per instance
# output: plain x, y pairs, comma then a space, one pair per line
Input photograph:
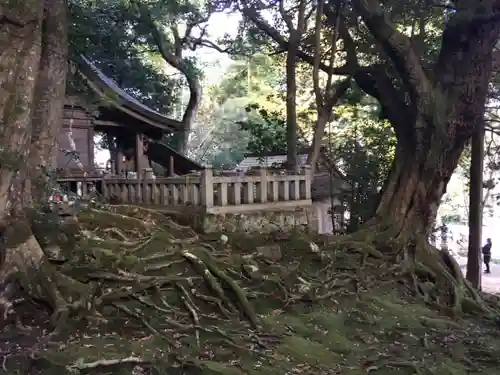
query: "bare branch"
333, 51
283, 43
200, 42
190, 27
284, 14
317, 55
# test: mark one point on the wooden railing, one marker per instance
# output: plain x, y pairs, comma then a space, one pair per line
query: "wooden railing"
167, 191
213, 190
261, 186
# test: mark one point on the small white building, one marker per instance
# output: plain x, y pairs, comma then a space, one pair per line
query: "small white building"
328, 188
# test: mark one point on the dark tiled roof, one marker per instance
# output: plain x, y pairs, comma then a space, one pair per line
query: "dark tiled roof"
107, 89
160, 153
112, 94
321, 188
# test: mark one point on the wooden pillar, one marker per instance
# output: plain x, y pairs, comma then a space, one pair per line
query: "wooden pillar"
171, 170
119, 162
90, 140
263, 184
139, 155
207, 187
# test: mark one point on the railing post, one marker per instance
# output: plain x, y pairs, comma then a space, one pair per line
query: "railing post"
104, 189
207, 187
263, 184
308, 173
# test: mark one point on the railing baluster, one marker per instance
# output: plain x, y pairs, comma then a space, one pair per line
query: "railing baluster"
231, 188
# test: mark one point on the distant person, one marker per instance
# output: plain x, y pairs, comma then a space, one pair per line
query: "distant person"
487, 255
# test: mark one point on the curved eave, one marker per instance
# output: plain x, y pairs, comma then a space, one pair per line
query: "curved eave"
117, 98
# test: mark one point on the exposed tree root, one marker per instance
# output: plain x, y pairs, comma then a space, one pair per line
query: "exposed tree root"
195, 296
105, 362
434, 275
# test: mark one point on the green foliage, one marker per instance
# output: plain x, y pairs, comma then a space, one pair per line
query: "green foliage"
216, 138
256, 78
358, 144
109, 33
363, 148
267, 131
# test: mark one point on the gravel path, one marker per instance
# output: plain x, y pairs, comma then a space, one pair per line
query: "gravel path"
491, 281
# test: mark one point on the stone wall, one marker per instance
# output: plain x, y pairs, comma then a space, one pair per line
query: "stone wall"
260, 221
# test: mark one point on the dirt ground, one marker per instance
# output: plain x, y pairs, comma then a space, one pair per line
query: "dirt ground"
490, 282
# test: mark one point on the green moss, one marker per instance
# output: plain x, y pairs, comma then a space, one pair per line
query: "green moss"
286, 323
353, 332
448, 367
216, 368
302, 350
389, 313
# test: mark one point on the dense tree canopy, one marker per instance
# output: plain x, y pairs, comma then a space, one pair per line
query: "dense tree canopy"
107, 33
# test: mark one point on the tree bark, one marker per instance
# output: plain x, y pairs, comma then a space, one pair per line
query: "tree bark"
20, 40
475, 209
291, 104
49, 96
30, 113
416, 184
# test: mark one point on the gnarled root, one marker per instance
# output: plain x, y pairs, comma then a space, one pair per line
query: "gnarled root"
27, 267
211, 273
432, 274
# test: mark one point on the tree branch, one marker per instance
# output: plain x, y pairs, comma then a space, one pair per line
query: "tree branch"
283, 43
317, 55
373, 80
199, 42
286, 17
192, 25
175, 60
399, 49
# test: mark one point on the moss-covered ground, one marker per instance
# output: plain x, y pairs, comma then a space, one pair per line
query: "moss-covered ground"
161, 299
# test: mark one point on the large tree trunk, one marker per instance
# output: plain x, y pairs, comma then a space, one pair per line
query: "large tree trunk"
291, 106
20, 41
30, 106
49, 96
475, 209
416, 184
449, 110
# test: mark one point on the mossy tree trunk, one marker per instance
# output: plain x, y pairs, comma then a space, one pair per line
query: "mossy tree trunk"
32, 76
49, 96
20, 43
434, 115
446, 108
